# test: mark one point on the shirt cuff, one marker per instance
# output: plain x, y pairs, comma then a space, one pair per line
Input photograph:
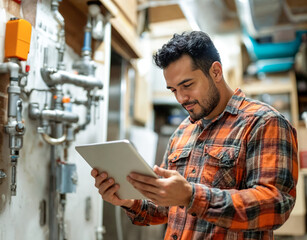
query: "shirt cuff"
192, 196
135, 208
200, 199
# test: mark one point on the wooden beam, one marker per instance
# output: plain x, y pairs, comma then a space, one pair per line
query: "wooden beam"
165, 13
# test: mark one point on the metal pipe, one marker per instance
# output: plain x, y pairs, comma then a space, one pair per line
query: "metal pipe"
51, 115
88, 106
97, 20
85, 65
12, 68
54, 141
105, 107
53, 77
55, 115
14, 95
61, 33
59, 116
14, 159
14, 127
53, 197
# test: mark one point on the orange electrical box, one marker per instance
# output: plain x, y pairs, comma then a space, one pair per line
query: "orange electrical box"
17, 39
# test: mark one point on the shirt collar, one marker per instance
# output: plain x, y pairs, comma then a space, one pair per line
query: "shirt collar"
235, 102
232, 106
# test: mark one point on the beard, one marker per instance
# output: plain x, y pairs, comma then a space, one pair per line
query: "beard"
207, 105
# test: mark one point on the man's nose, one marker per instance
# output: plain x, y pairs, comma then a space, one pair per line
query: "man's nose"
182, 97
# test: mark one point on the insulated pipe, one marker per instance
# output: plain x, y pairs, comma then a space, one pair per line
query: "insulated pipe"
85, 65
53, 78
87, 42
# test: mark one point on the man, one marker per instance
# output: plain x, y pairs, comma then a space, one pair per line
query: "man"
230, 169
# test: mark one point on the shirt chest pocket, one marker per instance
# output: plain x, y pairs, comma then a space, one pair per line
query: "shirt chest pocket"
179, 159
220, 166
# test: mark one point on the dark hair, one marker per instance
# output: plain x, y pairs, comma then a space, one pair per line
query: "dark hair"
196, 44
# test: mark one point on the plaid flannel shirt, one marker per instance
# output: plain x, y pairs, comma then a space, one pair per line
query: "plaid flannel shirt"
243, 170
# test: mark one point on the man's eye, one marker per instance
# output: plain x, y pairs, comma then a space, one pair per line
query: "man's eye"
187, 85
173, 90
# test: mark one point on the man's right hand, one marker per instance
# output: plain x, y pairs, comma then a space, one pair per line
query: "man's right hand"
108, 188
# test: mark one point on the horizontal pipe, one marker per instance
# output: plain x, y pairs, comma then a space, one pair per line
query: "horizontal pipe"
52, 115
59, 116
52, 77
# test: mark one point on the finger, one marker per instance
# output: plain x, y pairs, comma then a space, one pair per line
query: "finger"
142, 178
162, 172
100, 179
110, 193
94, 172
106, 185
142, 186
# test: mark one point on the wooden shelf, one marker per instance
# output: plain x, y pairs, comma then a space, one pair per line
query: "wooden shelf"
270, 87
281, 83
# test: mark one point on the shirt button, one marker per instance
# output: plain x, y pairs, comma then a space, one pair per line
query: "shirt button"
194, 214
175, 237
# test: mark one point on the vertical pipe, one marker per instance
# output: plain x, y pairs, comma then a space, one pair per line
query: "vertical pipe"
105, 107
52, 206
123, 90
55, 209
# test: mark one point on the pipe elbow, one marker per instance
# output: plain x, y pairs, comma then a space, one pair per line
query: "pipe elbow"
47, 74
10, 67
54, 141
14, 69
34, 112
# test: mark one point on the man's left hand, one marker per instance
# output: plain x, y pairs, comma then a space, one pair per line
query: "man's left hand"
170, 190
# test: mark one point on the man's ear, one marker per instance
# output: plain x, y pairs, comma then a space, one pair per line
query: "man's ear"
216, 71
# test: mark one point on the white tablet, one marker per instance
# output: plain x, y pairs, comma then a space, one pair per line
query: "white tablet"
118, 159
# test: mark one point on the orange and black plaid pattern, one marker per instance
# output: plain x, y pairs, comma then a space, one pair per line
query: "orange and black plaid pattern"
243, 170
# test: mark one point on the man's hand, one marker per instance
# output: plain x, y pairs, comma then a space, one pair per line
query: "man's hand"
170, 190
108, 188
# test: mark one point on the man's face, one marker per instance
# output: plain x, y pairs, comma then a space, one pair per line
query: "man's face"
195, 91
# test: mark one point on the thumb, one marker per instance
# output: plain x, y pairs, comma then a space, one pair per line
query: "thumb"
162, 172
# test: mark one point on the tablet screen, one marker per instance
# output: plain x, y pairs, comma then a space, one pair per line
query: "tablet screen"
118, 159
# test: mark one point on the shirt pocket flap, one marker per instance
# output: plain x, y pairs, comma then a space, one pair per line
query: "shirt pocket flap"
178, 154
222, 156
